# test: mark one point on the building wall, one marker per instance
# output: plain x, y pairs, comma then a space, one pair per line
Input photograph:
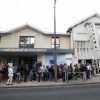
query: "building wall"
82, 42
41, 40
65, 42
80, 31
13, 38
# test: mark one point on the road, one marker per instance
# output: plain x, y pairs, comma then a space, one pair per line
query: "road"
78, 92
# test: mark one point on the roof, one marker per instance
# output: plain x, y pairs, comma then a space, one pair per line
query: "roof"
85, 19
33, 28
57, 33
23, 27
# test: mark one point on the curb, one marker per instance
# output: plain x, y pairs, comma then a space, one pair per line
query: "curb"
51, 85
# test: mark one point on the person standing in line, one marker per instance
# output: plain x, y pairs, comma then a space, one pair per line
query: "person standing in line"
43, 72
88, 71
31, 75
18, 74
94, 68
15, 71
85, 72
26, 70
10, 75
34, 73
39, 73
51, 73
64, 72
75, 71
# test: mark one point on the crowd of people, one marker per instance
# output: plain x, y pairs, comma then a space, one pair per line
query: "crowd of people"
46, 73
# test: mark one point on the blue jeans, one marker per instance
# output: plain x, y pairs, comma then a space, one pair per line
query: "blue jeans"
31, 77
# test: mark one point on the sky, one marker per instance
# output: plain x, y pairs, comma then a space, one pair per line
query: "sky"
40, 13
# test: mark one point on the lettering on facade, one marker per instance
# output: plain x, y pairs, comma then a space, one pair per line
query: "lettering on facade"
94, 36
22, 50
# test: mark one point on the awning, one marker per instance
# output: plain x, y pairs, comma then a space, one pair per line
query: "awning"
21, 51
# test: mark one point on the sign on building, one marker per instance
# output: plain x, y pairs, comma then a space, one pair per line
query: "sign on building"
94, 36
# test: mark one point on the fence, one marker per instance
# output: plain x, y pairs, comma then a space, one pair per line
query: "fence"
75, 75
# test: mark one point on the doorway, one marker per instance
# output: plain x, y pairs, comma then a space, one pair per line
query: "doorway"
28, 60
89, 61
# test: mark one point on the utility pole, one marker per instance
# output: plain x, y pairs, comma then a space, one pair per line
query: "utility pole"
55, 49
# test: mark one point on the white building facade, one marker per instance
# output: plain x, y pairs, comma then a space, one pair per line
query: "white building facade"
85, 40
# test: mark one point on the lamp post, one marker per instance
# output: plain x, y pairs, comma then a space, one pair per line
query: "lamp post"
55, 49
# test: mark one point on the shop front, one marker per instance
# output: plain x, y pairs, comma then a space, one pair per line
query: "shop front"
19, 55
30, 56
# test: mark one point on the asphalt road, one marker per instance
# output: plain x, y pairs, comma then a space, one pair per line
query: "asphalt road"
80, 92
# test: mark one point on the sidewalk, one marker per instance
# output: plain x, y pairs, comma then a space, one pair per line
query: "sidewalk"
93, 80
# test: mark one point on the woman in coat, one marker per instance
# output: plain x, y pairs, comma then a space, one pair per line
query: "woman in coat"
10, 75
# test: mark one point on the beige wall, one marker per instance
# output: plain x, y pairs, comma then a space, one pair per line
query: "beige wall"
12, 40
41, 40
65, 42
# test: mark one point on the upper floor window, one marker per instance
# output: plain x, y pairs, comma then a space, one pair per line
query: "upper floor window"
26, 41
57, 42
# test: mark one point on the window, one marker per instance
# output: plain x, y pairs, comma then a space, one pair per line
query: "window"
57, 42
26, 41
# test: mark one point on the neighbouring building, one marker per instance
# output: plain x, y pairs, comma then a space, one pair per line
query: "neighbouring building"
28, 45
85, 40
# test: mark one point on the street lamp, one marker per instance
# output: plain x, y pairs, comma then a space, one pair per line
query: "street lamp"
55, 49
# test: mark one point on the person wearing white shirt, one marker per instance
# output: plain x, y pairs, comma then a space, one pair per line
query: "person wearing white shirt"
10, 75
88, 70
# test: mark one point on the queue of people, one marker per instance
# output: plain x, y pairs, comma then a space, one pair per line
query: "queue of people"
46, 73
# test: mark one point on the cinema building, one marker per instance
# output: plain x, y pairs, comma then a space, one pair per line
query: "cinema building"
28, 45
85, 40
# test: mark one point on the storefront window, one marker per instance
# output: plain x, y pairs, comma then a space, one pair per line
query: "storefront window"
26, 41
